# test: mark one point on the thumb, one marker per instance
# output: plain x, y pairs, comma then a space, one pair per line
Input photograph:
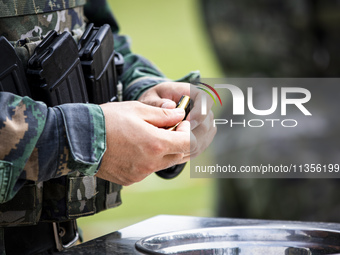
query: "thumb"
161, 117
162, 102
157, 101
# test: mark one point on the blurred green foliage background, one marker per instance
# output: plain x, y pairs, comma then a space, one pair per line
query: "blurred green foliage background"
172, 35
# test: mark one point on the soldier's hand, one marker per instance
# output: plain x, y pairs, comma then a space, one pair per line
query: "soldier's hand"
138, 143
166, 94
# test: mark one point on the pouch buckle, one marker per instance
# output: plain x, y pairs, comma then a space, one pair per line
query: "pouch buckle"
60, 232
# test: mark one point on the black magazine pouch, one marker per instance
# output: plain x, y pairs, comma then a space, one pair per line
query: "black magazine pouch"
98, 61
25, 207
55, 72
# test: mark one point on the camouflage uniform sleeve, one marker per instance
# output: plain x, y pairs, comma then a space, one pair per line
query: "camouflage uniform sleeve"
39, 142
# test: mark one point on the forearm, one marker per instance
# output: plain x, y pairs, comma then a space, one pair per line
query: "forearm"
39, 143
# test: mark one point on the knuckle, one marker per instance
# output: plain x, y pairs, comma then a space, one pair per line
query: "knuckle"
156, 148
136, 105
166, 113
178, 158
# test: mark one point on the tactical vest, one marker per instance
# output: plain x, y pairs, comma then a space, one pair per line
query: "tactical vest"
66, 197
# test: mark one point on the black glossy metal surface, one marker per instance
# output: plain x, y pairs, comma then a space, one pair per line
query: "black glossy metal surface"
275, 239
217, 236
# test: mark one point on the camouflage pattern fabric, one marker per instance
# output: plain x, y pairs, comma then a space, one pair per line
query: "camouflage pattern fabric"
277, 38
30, 132
30, 161
31, 155
41, 160
21, 27
29, 7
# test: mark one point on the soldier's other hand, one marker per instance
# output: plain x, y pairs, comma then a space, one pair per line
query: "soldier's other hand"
138, 143
167, 94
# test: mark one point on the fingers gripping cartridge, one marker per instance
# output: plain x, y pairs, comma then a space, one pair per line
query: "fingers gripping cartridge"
98, 61
55, 73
